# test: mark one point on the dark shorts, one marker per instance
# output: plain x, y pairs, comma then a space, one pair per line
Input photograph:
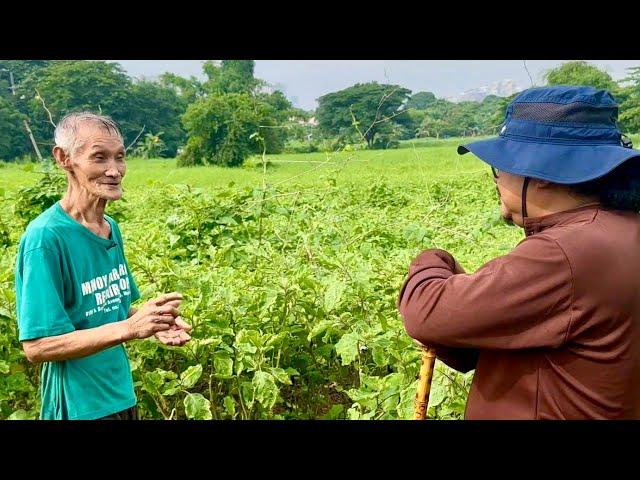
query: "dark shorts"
128, 414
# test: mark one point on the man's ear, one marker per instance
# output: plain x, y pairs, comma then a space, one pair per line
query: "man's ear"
62, 158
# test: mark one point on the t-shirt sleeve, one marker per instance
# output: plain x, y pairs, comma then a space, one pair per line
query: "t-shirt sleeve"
135, 293
40, 296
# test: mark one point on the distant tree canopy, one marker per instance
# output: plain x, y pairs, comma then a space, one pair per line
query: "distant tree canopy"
366, 109
67, 86
158, 109
629, 98
580, 73
101, 87
234, 117
231, 114
421, 100
231, 76
13, 140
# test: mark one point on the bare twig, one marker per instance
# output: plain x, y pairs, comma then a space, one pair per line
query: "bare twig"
44, 105
383, 99
525, 67
135, 139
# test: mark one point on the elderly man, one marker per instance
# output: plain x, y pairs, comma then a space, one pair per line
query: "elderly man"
552, 329
74, 288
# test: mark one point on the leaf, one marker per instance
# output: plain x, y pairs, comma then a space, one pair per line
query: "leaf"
437, 394
361, 396
319, 328
171, 388
154, 378
347, 348
223, 364
248, 341
405, 407
266, 391
134, 364
227, 221
247, 392
21, 415
273, 340
196, 407
380, 356
281, 375
368, 415
353, 414
333, 294
4, 367
18, 382
334, 413
5, 314
229, 405
173, 239
190, 376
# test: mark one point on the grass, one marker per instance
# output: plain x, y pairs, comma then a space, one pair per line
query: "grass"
416, 162
411, 164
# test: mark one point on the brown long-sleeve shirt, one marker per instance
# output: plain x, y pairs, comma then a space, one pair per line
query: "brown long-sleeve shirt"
552, 329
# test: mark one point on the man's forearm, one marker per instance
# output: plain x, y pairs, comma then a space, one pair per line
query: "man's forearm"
77, 344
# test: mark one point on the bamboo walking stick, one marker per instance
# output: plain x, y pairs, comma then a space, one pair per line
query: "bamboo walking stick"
424, 383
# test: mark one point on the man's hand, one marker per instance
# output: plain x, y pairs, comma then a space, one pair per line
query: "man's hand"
155, 316
178, 333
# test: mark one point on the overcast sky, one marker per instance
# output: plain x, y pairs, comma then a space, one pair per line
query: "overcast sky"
303, 81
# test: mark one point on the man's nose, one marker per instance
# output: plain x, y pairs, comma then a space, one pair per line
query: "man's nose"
113, 171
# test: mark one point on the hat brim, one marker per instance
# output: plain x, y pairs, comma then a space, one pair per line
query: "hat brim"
567, 164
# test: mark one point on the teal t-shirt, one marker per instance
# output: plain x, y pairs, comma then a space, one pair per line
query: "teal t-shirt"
67, 279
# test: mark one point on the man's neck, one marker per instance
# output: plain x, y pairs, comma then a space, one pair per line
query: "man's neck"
87, 210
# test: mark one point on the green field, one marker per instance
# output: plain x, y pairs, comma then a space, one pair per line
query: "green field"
290, 277
409, 163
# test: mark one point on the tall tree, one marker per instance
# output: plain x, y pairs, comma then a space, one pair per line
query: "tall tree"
13, 138
188, 90
580, 73
629, 98
421, 100
20, 69
235, 117
366, 109
66, 86
220, 130
158, 109
231, 76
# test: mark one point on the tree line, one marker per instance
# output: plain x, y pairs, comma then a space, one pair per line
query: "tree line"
231, 114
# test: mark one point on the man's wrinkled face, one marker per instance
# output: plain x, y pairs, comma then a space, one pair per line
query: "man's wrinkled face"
98, 163
510, 193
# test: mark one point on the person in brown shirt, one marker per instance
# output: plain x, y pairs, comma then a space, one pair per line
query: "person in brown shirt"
552, 329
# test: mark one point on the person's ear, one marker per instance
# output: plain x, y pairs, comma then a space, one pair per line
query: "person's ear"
62, 158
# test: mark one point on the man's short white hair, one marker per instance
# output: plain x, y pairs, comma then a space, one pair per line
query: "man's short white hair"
66, 132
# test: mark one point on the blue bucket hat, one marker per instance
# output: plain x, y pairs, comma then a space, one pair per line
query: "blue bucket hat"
563, 134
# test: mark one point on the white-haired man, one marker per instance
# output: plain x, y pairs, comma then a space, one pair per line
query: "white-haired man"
73, 285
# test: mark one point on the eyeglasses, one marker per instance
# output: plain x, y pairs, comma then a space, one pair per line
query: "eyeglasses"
495, 171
